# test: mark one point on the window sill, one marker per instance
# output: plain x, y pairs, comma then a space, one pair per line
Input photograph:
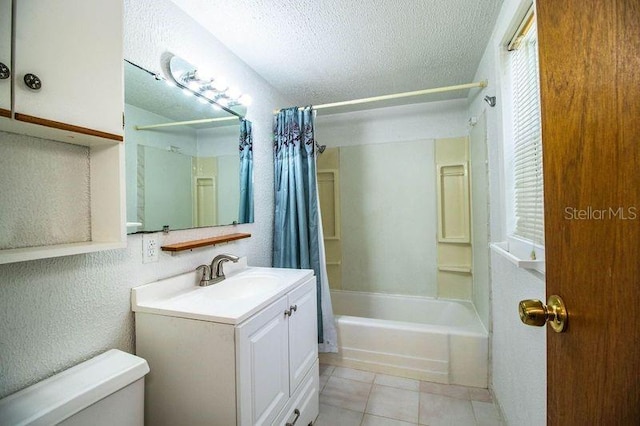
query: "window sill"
505, 249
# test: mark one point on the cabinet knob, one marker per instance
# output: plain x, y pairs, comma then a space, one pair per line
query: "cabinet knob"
5, 72
32, 81
291, 310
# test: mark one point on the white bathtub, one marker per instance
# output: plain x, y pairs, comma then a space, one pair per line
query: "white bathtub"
417, 337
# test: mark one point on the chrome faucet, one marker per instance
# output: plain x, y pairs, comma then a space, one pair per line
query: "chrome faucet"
216, 272
205, 280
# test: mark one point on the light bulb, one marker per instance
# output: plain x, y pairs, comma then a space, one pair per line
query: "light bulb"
233, 93
245, 100
210, 94
193, 85
220, 84
205, 74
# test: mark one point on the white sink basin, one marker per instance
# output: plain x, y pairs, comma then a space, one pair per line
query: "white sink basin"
231, 301
241, 286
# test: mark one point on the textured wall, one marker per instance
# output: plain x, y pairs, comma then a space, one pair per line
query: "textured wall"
55, 313
49, 205
155, 28
518, 353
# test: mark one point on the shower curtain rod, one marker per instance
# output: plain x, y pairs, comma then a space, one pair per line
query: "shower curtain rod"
185, 123
400, 95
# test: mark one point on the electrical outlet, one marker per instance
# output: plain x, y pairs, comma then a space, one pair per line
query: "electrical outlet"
149, 248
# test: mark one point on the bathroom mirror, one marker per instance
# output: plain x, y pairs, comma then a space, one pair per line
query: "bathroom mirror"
182, 158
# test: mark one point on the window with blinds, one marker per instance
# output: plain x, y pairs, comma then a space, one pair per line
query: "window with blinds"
527, 148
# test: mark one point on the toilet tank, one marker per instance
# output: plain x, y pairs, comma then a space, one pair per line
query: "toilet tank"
105, 390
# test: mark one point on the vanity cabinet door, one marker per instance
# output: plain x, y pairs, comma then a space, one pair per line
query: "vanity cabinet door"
303, 332
75, 48
262, 365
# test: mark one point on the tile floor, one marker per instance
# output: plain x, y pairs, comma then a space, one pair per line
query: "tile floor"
351, 397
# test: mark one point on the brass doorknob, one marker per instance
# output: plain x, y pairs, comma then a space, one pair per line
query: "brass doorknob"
535, 313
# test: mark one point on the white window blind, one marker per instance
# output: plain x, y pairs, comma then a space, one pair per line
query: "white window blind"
527, 150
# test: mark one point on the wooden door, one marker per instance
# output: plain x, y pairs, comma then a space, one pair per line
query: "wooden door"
590, 98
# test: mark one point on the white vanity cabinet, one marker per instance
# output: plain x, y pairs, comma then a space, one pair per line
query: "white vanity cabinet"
261, 371
75, 48
276, 350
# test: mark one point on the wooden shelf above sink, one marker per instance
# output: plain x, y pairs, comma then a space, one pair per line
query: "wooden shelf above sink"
188, 245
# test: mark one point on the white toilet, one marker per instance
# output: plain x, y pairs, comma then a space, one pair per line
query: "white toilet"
105, 390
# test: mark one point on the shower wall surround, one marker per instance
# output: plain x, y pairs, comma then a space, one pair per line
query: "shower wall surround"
388, 216
454, 255
328, 171
55, 313
387, 175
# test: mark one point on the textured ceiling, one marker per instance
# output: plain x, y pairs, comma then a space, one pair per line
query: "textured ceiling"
320, 51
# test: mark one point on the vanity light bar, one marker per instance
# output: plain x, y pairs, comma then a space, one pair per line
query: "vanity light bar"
171, 82
217, 90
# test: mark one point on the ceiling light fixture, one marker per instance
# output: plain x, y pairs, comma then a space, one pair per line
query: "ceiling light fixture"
204, 86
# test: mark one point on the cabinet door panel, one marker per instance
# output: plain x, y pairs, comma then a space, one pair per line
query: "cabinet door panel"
75, 48
303, 332
5, 56
263, 372
305, 400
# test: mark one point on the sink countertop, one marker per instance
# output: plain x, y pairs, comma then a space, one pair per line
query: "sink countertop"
181, 296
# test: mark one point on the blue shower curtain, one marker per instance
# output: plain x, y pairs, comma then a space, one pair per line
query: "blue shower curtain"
297, 236
245, 213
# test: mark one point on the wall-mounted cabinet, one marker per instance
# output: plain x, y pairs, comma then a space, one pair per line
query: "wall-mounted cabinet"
5, 58
67, 85
66, 69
